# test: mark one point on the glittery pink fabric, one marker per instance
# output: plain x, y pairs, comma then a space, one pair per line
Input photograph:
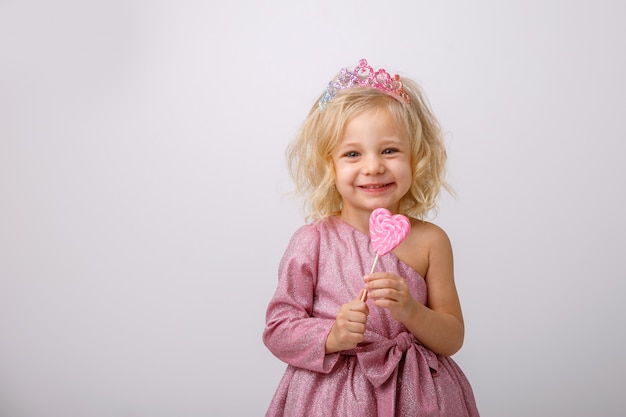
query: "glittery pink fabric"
389, 374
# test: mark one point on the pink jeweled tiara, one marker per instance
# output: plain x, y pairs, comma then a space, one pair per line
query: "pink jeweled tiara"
364, 75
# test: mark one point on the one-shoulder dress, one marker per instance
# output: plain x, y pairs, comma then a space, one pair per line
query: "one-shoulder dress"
389, 374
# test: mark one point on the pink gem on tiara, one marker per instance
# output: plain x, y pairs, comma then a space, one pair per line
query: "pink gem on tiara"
364, 75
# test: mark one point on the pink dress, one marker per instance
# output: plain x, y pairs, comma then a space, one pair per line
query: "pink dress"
389, 374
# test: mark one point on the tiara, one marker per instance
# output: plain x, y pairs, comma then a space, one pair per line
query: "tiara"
364, 75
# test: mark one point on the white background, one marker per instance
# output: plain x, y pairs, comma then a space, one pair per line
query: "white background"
143, 209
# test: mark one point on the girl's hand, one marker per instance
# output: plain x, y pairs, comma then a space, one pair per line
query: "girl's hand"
391, 292
349, 327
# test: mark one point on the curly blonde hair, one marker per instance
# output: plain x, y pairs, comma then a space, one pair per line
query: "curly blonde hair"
309, 155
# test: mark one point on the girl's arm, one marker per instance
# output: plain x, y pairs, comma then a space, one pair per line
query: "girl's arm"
291, 332
438, 325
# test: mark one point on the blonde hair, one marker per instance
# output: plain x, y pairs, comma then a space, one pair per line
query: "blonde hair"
309, 155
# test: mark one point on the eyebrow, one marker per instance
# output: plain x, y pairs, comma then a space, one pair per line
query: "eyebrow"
348, 144
393, 139
387, 139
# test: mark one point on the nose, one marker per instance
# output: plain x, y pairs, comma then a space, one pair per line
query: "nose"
372, 165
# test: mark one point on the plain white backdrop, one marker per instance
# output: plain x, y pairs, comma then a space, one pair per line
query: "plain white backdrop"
143, 210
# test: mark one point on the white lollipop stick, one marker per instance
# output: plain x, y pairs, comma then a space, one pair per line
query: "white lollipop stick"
364, 296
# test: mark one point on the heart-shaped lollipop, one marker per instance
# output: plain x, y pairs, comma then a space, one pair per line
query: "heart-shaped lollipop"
387, 231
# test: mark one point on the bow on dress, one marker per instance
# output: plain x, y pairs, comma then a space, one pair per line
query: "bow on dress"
404, 360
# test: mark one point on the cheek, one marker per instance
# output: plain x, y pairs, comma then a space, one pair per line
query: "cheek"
342, 172
407, 176
409, 172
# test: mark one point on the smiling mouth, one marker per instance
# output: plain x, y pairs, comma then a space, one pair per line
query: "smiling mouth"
374, 186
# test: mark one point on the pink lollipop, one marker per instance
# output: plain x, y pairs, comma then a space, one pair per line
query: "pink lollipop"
386, 232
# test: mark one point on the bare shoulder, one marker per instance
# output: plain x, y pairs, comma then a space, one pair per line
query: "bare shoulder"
424, 240
428, 234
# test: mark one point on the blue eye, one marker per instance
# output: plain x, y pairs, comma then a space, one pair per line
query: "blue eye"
351, 154
389, 151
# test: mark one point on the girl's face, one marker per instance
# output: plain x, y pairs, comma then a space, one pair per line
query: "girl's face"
372, 164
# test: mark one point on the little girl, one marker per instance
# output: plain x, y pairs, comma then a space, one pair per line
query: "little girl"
361, 344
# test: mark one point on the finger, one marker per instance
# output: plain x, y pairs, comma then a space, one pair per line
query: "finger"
377, 275
395, 283
385, 294
356, 327
358, 317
